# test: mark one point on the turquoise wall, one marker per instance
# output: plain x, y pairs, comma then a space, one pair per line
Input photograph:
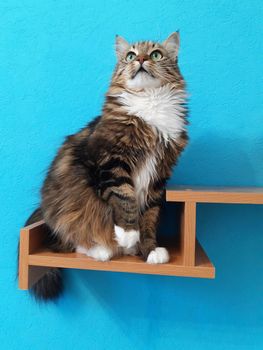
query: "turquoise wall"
56, 59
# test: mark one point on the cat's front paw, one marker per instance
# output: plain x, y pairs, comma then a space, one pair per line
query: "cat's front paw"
158, 256
97, 252
126, 239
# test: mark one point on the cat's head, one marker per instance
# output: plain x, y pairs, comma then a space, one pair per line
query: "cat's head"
147, 64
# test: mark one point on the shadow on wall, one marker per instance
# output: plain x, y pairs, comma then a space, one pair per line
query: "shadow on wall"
216, 160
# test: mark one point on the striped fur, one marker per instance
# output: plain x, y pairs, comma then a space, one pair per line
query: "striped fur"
103, 191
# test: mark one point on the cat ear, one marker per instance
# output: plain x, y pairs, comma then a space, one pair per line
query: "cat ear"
121, 46
171, 44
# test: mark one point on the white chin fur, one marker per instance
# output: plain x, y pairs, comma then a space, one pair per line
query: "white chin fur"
126, 239
143, 80
158, 256
97, 252
162, 108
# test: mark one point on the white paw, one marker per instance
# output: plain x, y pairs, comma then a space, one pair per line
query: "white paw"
126, 239
97, 252
158, 256
131, 251
82, 250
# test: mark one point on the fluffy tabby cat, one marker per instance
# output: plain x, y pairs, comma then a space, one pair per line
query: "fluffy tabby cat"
103, 191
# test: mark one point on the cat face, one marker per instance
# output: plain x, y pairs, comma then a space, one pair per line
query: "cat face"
147, 64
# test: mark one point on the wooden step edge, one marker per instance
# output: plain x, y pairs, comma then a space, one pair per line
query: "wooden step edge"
214, 196
130, 264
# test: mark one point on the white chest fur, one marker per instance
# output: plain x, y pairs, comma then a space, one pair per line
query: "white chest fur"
162, 108
142, 179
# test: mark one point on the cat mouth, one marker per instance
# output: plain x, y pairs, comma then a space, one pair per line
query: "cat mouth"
141, 70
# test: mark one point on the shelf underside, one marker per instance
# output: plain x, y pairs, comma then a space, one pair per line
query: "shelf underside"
133, 264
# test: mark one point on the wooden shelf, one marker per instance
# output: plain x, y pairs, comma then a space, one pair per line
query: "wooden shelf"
187, 256
238, 195
132, 264
35, 260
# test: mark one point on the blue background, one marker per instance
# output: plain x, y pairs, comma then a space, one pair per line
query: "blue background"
56, 59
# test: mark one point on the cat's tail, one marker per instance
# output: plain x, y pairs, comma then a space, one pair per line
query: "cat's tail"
50, 286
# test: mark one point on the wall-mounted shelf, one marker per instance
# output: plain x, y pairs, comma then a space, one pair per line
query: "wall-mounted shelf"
187, 256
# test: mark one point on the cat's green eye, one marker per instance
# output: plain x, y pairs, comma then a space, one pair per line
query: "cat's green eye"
156, 55
130, 56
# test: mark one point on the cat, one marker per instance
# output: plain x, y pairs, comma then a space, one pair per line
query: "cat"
103, 191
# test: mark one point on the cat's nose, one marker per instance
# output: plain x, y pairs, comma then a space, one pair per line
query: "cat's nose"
142, 58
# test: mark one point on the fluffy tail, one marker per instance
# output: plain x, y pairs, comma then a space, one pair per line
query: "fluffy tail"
50, 286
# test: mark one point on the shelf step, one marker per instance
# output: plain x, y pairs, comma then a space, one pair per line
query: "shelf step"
238, 195
187, 256
133, 264
35, 260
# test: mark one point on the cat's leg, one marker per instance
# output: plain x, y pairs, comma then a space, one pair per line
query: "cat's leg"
131, 251
84, 221
126, 238
126, 217
117, 190
148, 245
